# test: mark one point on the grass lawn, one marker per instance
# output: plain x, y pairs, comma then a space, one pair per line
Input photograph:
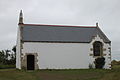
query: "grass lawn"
85, 74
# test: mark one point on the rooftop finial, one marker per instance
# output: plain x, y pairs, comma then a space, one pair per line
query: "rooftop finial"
21, 17
97, 24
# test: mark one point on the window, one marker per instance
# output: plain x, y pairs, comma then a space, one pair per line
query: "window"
97, 48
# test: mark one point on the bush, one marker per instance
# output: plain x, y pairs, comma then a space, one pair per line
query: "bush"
114, 62
99, 62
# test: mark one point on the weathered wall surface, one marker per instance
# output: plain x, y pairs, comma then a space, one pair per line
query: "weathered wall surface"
62, 55
106, 52
59, 55
18, 61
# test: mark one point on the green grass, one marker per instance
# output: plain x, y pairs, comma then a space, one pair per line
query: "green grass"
81, 74
6, 66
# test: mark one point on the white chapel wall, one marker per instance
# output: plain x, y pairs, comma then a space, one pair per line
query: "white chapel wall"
18, 61
59, 55
66, 55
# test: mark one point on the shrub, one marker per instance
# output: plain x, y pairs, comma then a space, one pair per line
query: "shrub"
99, 62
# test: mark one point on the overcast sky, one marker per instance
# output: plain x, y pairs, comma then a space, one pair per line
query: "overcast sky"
64, 12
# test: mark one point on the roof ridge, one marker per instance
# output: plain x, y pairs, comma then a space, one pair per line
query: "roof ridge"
59, 25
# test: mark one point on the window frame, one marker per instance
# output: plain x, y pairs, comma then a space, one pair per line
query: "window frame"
97, 48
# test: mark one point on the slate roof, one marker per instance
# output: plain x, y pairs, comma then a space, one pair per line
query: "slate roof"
57, 33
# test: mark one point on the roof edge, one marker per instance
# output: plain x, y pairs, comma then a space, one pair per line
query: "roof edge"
55, 41
56, 25
104, 35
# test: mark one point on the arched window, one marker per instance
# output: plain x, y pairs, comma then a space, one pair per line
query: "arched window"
97, 48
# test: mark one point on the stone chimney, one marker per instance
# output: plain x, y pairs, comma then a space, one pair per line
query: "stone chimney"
21, 17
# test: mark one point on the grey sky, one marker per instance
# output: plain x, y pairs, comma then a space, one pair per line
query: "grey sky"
65, 12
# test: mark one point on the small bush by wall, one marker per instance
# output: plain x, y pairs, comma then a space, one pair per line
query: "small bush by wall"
99, 62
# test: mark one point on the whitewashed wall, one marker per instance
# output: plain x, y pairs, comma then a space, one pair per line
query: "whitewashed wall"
59, 55
18, 61
64, 55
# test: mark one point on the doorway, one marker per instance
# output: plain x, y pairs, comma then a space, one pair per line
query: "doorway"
30, 62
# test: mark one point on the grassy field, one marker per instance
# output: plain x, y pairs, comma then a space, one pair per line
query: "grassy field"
85, 74
6, 66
